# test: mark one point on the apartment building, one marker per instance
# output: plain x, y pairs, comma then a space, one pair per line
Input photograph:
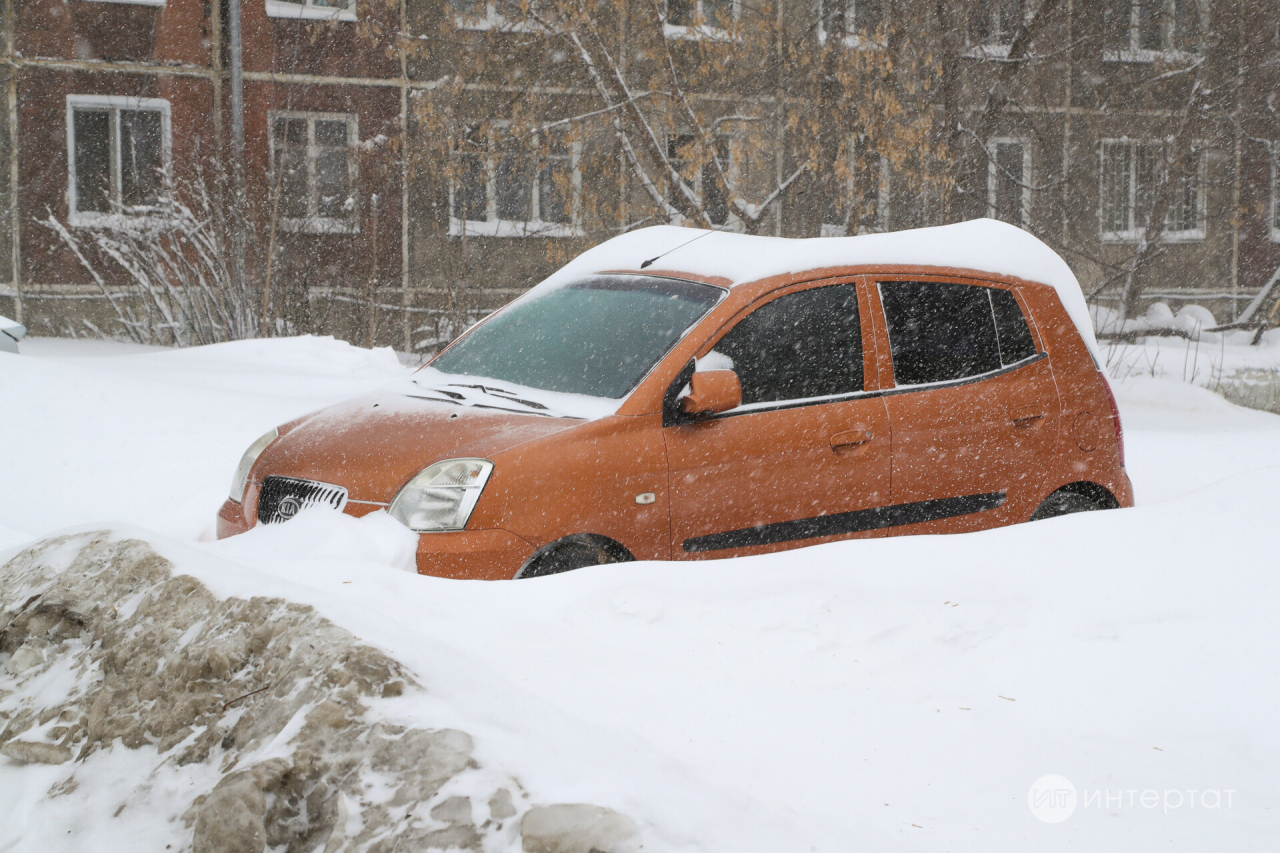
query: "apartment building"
409, 165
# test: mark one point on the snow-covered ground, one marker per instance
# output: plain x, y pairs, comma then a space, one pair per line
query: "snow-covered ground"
98, 431
895, 694
1180, 348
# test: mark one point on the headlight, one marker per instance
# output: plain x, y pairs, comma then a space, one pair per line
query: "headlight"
251, 455
443, 496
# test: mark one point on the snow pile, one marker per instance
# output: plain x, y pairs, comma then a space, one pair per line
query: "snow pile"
309, 367
1227, 363
322, 534
277, 720
1190, 321
901, 692
120, 433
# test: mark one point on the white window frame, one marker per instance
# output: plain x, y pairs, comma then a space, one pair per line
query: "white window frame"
988, 51
1134, 232
493, 19
492, 226
116, 103
698, 32
1196, 234
993, 176
841, 229
316, 224
992, 50
1274, 225
1136, 54
157, 3
854, 41
307, 10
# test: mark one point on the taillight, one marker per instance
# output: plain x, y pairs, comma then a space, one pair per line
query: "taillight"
1115, 416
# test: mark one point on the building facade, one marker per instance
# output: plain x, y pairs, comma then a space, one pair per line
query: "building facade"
410, 165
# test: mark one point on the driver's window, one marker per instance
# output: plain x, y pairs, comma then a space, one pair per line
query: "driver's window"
804, 344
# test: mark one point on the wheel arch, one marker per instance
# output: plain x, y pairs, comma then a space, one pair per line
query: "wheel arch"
1100, 495
615, 550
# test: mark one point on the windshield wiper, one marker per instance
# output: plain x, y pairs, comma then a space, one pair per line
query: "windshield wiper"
452, 395
501, 393
497, 394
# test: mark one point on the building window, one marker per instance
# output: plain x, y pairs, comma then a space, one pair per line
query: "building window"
1130, 175
856, 21
699, 18
506, 15
503, 186
1148, 30
1128, 178
858, 200
313, 166
1185, 220
704, 179
1009, 181
316, 10
993, 26
118, 153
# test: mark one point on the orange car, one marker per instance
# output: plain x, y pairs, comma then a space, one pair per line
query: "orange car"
678, 394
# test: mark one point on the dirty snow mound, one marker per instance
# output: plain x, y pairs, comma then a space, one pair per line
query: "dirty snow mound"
281, 720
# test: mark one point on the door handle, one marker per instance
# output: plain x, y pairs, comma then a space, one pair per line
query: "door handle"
855, 437
1024, 418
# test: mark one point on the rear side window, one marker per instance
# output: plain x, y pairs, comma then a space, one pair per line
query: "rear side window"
806, 344
939, 331
1011, 327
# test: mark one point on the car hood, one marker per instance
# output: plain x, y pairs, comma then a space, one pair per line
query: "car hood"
373, 445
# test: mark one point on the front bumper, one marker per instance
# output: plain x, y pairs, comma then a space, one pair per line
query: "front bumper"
233, 518
468, 554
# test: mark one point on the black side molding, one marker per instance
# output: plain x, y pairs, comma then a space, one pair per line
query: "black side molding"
845, 522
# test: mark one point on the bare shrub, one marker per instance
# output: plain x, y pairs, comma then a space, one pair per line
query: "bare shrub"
166, 275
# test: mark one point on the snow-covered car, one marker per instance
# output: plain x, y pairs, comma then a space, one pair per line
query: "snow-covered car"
680, 394
11, 331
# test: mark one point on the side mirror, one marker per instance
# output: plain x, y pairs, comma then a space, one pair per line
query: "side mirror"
712, 392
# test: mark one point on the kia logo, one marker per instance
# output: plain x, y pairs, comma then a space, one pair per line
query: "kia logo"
289, 507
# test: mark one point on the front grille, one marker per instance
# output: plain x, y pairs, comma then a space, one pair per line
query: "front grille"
282, 498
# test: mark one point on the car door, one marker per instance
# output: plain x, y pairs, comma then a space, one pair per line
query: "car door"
809, 446
974, 408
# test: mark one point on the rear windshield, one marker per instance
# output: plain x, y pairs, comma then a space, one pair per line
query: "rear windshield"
597, 337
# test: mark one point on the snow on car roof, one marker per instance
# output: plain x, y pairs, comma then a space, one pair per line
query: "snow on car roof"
983, 245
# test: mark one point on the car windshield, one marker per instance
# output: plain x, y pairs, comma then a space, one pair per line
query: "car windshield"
597, 337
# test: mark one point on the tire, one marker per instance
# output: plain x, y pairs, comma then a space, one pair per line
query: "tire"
1063, 502
575, 553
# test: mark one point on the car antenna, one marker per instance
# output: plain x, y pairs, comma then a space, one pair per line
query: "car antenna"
646, 264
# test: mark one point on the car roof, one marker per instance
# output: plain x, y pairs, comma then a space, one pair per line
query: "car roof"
980, 245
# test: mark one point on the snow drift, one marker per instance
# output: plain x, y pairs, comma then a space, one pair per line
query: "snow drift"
108, 650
